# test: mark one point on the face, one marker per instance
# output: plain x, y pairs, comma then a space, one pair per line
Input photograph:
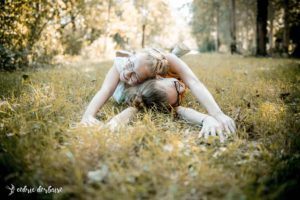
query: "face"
173, 89
136, 70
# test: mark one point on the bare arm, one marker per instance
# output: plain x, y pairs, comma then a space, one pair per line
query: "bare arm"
122, 118
191, 115
107, 89
199, 90
209, 124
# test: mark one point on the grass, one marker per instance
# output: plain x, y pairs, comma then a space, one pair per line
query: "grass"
157, 156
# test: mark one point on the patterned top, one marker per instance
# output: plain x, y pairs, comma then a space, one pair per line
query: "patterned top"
120, 63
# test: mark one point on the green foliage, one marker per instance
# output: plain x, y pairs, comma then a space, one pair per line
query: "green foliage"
33, 32
209, 17
22, 23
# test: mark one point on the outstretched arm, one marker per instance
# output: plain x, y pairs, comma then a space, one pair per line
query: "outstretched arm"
122, 118
209, 124
107, 89
199, 90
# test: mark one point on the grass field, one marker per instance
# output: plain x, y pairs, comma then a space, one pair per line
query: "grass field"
157, 156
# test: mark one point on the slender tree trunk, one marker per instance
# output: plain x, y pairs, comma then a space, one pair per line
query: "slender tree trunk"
271, 19
233, 47
286, 31
261, 27
217, 26
144, 22
143, 35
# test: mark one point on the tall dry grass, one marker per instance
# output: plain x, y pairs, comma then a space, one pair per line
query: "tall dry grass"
157, 156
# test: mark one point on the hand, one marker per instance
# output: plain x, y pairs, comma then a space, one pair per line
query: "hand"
113, 125
90, 121
213, 127
227, 123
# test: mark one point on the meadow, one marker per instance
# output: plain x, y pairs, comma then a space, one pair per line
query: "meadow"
157, 156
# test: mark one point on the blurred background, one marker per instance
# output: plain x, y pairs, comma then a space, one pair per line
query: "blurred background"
40, 32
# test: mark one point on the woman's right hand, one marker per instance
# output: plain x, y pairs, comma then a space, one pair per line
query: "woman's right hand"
212, 127
90, 121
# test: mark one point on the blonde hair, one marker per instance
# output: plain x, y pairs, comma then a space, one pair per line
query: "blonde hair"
147, 95
156, 61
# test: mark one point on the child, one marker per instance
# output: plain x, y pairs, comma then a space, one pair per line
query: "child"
132, 69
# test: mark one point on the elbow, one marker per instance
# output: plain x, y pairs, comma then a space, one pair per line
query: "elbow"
180, 110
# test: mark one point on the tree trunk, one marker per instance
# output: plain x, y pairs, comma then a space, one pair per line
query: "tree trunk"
233, 48
261, 27
217, 5
286, 31
271, 19
143, 35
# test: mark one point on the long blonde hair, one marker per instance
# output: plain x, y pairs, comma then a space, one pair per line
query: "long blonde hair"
156, 61
147, 95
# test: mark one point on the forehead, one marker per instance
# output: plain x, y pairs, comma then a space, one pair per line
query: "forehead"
140, 66
167, 84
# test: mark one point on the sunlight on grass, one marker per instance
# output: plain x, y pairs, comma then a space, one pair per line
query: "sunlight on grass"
271, 111
157, 156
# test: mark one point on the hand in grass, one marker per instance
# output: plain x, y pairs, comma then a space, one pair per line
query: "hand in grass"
211, 127
113, 125
90, 121
226, 122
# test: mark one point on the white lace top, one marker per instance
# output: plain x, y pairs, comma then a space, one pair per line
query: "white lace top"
118, 95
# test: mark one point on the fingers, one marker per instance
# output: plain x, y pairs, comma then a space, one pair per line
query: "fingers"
213, 131
233, 125
95, 121
222, 130
201, 133
206, 134
91, 122
225, 126
220, 133
231, 128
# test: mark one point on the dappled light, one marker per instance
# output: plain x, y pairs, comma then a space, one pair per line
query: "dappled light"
160, 99
154, 156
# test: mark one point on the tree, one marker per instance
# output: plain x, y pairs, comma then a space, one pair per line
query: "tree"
233, 47
217, 16
286, 30
205, 24
261, 27
271, 15
22, 23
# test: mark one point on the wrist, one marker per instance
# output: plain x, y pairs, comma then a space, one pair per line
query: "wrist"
214, 114
204, 119
85, 116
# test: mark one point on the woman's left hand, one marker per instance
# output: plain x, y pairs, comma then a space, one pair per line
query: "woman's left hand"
211, 127
226, 122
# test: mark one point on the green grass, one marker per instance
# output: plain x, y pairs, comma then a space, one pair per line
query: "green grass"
157, 156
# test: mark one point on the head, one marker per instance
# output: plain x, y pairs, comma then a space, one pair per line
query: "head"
162, 94
144, 65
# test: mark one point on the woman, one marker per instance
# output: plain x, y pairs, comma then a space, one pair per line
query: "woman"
163, 94
129, 70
